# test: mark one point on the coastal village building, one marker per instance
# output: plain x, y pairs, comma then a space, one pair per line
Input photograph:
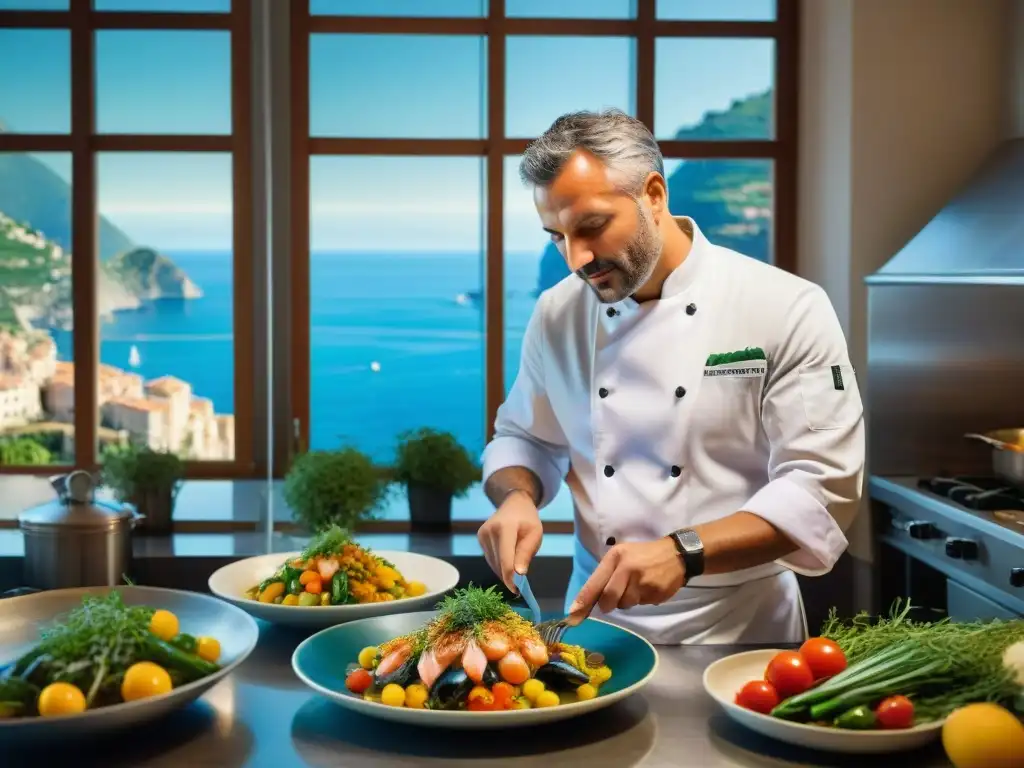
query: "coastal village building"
37, 391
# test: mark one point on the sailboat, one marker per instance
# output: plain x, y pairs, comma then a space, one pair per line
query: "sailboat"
134, 358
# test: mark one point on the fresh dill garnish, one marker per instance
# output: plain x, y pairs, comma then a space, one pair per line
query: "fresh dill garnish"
958, 662
329, 541
470, 607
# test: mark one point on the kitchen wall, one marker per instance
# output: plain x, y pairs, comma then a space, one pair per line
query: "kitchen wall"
900, 101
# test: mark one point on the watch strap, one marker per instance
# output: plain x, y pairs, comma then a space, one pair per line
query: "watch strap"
691, 550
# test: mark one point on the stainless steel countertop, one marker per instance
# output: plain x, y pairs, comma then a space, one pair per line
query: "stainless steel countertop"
263, 716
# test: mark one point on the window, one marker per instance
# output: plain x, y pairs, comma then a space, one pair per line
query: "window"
423, 257
240, 229
126, 308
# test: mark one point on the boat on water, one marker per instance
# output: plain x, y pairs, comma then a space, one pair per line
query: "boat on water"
134, 358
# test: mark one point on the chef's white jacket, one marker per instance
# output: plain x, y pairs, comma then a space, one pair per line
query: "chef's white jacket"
628, 404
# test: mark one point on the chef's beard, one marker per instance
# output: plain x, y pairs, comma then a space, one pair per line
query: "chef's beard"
630, 269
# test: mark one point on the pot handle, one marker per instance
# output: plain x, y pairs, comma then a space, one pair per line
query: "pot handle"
998, 444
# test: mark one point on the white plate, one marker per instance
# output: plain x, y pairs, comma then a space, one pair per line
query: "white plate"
230, 583
724, 679
320, 662
22, 617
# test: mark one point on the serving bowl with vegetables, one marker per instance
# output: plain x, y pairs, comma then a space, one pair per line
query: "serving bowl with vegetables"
474, 662
872, 685
99, 658
333, 580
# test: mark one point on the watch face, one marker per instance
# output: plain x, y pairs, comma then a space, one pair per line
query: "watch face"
690, 540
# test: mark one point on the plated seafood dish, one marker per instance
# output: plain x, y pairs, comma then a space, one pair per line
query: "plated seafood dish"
103, 653
334, 570
476, 654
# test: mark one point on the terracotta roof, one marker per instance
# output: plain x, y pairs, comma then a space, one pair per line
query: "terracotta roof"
138, 404
167, 384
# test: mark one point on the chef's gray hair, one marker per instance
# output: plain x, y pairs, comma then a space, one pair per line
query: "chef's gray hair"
622, 142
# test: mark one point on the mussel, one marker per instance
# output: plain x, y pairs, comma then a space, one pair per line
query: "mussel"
449, 689
561, 676
404, 674
490, 675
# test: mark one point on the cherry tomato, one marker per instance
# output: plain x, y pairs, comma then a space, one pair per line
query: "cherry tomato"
895, 712
789, 673
504, 694
823, 656
358, 680
758, 695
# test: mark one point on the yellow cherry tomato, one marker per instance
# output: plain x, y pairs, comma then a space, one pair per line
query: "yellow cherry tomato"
61, 699
290, 600
415, 589
208, 648
521, 702
164, 624
586, 692
144, 679
367, 656
393, 695
532, 688
547, 699
416, 696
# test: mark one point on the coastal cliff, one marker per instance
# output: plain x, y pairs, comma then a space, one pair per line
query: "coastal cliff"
35, 254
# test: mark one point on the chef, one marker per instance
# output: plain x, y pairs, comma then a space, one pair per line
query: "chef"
699, 404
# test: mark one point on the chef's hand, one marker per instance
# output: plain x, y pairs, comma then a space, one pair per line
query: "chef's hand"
511, 537
636, 573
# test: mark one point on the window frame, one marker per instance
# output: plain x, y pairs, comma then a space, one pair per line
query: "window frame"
645, 28
83, 143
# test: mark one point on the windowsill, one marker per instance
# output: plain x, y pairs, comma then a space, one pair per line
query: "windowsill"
257, 502
235, 545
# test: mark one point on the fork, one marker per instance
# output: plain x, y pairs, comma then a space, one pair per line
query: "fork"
552, 630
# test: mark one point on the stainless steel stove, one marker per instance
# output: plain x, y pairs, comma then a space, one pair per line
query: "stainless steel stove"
951, 544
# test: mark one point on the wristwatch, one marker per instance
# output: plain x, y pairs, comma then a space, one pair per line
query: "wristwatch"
691, 549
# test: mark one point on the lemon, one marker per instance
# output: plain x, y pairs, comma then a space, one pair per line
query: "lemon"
61, 699
367, 657
393, 695
164, 624
416, 696
532, 688
983, 736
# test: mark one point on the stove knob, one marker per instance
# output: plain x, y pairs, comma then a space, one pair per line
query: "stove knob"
922, 529
1017, 577
962, 549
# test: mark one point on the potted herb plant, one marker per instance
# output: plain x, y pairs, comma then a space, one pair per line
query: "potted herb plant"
434, 468
146, 478
325, 488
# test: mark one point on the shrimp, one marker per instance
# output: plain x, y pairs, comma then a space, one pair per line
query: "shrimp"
534, 651
394, 660
474, 662
328, 567
513, 668
448, 648
495, 645
429, 668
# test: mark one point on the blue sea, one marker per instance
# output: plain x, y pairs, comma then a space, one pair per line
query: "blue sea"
392, 346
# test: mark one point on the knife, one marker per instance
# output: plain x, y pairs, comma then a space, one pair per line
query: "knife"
523, 587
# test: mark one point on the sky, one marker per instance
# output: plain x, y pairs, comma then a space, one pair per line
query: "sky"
400, 86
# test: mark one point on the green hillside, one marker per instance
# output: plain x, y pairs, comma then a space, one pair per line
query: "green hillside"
729, 199
30, 191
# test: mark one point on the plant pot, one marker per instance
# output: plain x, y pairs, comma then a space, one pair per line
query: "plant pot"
430, 510
158, 506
